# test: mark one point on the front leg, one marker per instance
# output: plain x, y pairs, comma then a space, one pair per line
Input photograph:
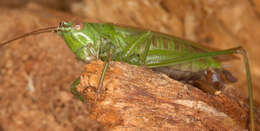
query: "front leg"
74, 90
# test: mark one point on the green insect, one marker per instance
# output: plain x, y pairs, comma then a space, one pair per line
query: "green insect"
180, 59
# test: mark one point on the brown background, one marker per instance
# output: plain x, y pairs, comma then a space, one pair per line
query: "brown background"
36, 72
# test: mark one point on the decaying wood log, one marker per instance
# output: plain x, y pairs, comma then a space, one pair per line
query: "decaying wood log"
135, 98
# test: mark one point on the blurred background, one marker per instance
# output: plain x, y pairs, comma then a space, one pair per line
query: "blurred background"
36, 73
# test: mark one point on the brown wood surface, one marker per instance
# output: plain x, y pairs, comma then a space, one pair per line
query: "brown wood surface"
135, 98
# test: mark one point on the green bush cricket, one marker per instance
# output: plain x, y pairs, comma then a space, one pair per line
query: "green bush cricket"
160, 52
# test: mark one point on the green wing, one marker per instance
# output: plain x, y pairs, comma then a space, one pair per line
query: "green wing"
164, 50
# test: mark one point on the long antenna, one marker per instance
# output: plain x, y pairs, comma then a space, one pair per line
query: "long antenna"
38, 31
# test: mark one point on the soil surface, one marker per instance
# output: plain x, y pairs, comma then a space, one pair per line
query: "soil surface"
36, 72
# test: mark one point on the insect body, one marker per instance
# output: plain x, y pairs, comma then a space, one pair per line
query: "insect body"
161, 52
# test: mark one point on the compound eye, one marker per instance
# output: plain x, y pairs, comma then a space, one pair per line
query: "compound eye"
78, 25
61, 24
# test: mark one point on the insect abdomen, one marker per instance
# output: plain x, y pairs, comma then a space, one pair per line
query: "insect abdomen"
166, 48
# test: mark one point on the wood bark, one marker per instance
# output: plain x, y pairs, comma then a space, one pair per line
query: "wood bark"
135, 98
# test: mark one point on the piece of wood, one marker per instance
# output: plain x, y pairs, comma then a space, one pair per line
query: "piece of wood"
135, 98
